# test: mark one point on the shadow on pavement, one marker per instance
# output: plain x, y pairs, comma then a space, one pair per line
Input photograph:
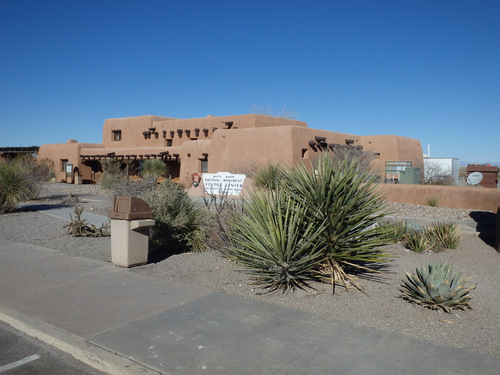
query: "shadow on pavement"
485, 226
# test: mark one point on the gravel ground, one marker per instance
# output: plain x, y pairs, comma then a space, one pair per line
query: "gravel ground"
477, 329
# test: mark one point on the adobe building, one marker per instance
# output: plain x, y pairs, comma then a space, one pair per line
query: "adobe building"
215, 144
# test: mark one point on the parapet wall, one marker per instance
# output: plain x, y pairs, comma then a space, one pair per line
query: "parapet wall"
475, 198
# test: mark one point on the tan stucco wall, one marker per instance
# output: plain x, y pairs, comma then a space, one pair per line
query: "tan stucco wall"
475, 198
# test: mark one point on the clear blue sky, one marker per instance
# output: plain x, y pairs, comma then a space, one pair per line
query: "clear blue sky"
429, 70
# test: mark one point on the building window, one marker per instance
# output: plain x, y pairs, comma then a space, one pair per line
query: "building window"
117, 135
393, 170
168, 142
204, 166
63, 164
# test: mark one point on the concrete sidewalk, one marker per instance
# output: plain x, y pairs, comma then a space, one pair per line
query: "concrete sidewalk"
123, 322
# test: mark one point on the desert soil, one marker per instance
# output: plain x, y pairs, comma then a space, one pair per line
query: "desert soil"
380, 305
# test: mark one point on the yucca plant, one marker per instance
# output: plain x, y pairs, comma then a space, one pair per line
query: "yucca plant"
276, 241
418, 240
445, 235
342, 194
436, 287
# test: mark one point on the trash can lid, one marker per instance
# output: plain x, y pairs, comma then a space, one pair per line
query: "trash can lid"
129, 208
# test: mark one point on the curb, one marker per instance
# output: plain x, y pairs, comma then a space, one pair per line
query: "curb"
82, 350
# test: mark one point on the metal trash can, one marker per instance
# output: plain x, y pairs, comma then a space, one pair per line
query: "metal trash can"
131, 219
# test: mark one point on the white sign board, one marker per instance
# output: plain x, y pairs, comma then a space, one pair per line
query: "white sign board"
474, 178
223, 183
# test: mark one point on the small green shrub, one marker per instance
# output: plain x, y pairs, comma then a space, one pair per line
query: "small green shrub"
432, 201
418, 240
154, 168
180, 224
16, 185
445, 235
112, 173
435, 287
268, 176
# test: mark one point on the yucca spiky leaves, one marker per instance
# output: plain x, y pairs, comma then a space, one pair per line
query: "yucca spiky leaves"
276, 241
436, 287
445, 235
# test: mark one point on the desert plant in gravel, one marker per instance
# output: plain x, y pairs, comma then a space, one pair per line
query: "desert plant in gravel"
181, 225
276, 241
341, 209
79, 227
418, 240
436, 287
341, 191
16, 185
432, 201
445, 235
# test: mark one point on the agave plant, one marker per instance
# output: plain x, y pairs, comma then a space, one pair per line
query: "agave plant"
445, 235
435, 286
276, 242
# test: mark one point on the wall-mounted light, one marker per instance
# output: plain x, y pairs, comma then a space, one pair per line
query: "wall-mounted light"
172, 134
145, 134
188, 132
228, 124
196, 132
179, 132
156, 135
205, 131
164, 134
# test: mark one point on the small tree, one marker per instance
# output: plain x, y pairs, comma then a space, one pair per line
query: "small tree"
437, 174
